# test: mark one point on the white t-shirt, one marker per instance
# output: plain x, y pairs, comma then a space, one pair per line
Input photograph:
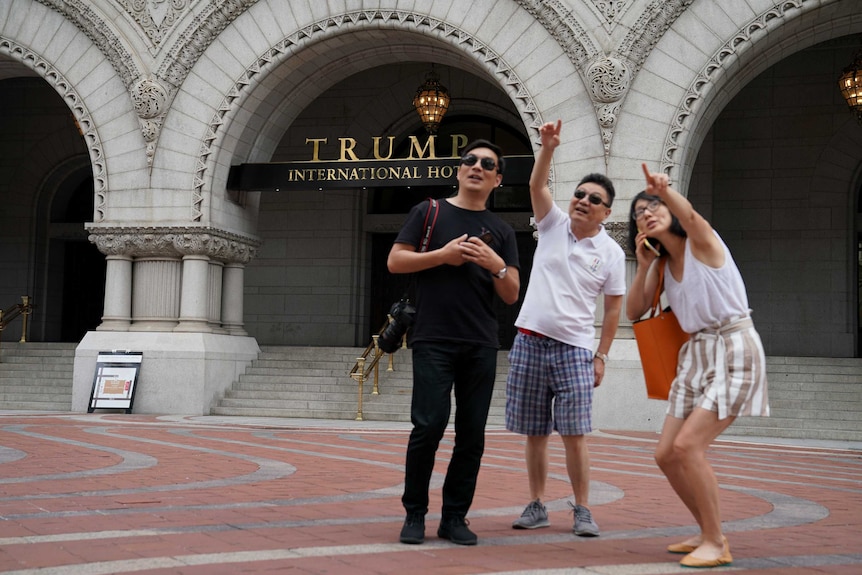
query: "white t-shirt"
567, 277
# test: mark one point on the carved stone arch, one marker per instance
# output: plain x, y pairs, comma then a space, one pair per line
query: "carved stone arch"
79, 110
460, 40
693, 115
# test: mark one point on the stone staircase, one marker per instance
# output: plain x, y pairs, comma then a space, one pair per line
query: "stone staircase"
811, 398
313, 382
36, 376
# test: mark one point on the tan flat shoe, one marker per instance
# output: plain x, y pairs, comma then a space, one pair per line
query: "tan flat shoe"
680, 548
725, 559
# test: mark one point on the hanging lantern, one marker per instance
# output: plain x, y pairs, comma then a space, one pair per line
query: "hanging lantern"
431, 101
850, 84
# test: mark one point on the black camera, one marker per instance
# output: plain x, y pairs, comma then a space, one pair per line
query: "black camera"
402, 314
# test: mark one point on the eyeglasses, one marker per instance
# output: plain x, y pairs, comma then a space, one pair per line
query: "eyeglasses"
594, 198
486, 163
652, 206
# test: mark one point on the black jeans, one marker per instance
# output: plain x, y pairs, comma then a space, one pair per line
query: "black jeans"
436, 368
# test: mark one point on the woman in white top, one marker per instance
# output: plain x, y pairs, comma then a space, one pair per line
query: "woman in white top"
721, 372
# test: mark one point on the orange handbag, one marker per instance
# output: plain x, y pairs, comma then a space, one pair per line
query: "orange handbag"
659, 338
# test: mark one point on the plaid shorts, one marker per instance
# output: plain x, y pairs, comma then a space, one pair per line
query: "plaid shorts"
549, 387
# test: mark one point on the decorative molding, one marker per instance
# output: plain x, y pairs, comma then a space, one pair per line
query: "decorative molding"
619, 231
197, 37
703, 82
140, 88
96, 29
608, 80
150, 99
492, 61
82, 116
649, 29
607, 76
139, 242
560, 22
155, 17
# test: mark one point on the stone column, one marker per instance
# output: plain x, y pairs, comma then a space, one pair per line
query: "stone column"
233, 285
156, 293
117, 314
193, 300
214, 298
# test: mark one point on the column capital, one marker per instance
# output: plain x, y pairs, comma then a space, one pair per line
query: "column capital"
219, 245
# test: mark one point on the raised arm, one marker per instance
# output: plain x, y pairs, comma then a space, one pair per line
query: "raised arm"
540, 193
704, 244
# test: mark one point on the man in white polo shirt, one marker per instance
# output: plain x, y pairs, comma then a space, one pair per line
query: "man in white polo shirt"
553, 367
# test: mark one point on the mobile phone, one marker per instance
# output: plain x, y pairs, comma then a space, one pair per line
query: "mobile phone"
487, 238
651, 247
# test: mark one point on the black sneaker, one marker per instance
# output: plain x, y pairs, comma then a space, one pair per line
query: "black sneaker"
455, 530
413, 532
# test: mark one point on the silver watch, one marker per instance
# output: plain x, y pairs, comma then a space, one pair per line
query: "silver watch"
502, 273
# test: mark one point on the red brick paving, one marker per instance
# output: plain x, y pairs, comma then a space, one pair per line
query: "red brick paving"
112, 493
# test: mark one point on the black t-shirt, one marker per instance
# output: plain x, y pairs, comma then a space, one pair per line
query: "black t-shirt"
455, 303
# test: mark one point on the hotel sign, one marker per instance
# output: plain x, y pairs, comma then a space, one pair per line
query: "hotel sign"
422, 166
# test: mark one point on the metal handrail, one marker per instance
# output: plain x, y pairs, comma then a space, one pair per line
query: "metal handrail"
8, 315
363, 368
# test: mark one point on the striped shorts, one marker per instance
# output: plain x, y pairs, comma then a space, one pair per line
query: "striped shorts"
550, 386
723, 370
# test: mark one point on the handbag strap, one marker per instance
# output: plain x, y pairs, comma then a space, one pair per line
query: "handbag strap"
656, 306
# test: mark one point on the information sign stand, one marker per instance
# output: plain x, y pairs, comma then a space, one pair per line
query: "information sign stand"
115, 379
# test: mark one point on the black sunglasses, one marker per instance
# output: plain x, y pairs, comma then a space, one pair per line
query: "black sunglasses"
594, 198
486, 163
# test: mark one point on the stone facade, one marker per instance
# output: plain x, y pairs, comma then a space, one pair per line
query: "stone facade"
157, 99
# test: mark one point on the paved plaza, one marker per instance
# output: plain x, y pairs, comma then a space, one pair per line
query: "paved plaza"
108, 493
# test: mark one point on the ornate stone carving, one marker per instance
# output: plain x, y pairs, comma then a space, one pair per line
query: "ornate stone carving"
561, 24
198, 35
702, 83
607, 76
150, 98
155, 17
619, 231
79, 110
91, 24
175, 242
336, 25
610, 9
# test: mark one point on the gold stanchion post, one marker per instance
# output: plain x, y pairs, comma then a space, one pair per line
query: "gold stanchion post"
360, 377
25, 311
376, 390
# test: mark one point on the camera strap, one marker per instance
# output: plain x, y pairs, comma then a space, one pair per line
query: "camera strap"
428, 227
432, 205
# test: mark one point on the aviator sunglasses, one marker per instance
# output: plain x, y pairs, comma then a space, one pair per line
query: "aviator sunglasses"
594, 198
486, 163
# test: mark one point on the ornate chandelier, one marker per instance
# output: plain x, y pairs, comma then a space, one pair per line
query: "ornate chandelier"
850, 84
431, 101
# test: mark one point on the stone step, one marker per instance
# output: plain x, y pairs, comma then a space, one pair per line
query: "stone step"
814, 397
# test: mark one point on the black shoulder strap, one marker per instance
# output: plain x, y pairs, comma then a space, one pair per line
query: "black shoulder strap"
432, 205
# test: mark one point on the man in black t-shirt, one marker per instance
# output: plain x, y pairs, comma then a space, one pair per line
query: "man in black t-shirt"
472, 255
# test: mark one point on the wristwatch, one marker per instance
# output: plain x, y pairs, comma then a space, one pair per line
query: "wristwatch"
602, 356
501, 274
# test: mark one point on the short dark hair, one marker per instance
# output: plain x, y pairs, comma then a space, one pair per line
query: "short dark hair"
603, 181
675, 227
501, 163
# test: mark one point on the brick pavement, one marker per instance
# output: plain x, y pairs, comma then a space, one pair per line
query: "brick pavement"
108, 493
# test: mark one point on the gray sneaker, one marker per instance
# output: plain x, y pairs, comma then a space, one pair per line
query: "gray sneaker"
584, 524
535, 515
